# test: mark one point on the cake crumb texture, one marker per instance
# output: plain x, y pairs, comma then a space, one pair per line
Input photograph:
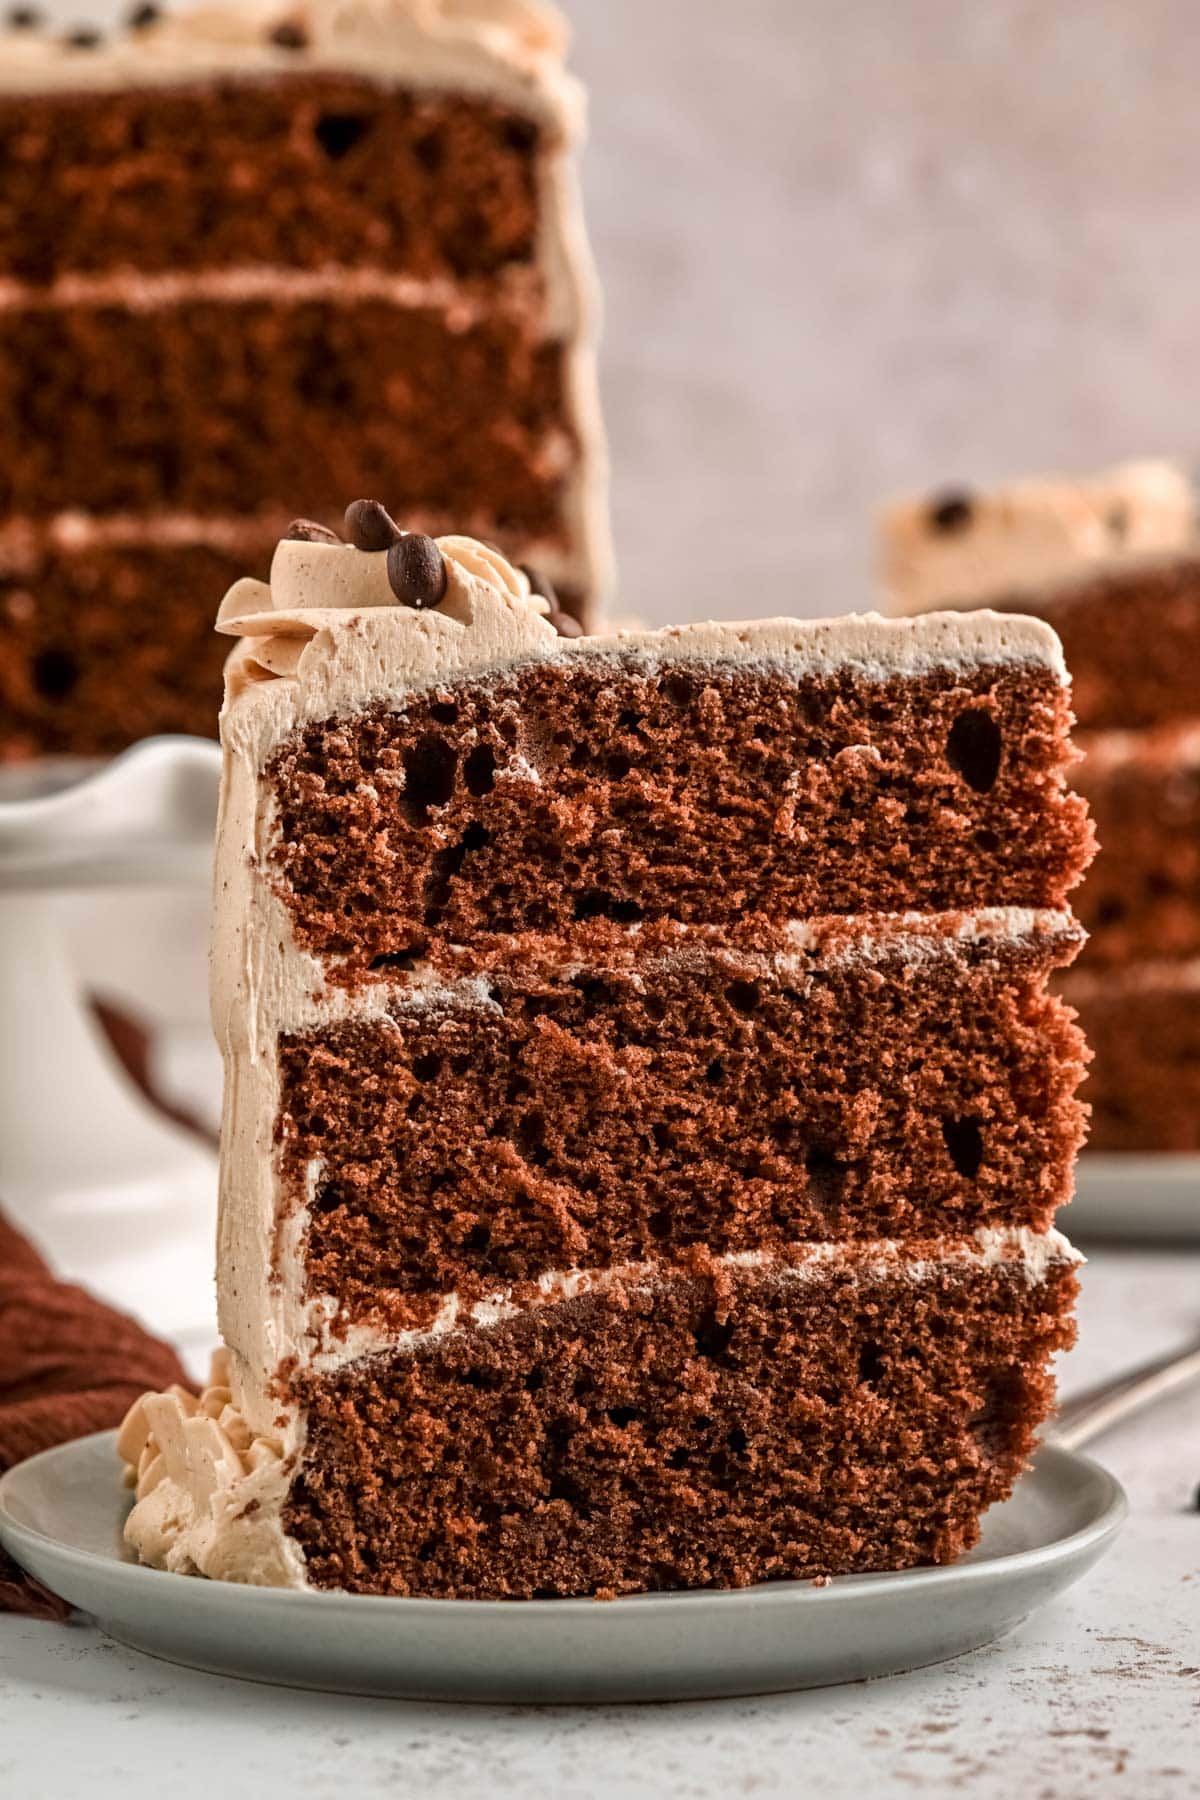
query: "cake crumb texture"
692, 1436
567, 791
611, 1110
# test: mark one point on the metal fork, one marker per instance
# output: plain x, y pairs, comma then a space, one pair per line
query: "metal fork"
1098, 1408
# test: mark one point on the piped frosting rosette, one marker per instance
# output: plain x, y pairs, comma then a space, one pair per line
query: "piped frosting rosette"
321, 589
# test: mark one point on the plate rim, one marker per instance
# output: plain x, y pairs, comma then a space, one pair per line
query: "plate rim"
1085, 1542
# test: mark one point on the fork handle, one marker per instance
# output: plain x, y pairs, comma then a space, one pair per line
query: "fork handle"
1098, 1408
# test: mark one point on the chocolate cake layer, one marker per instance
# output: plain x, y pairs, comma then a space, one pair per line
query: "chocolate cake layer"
585, 1110
304, 171
102, 645
1143, 1026
1142, 896
703, 1432
603, 787
1131, 638
229, 409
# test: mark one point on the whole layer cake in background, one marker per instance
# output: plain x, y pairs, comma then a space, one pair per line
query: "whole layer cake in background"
254, 258
1113, 563
645, 1111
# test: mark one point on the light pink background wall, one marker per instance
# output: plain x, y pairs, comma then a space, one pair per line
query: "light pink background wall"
855, 244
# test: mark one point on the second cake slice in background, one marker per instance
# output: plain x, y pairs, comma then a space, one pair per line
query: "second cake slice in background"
1113, 563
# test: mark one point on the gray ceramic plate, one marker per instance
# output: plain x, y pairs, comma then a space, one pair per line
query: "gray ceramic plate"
1138, 1197
61, 1515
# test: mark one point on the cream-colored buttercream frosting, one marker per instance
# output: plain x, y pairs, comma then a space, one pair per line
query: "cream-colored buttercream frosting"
510, 51
324, 637
507, 48
966, 548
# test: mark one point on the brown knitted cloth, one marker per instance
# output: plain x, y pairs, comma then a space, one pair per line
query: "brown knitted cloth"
68, 1365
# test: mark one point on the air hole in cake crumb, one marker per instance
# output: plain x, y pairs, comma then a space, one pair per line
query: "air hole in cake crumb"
783, 1130
715, 1072
621, 1416
478, 1240
429, 771
327, 1199
534, 1381
987, 841
479, 770
973, 749
337, 133
593, 990
427, 1067
564, 1487
654, 1009
430, 151
401, 960
825, 1171
964, 1141
660, 1224
678, 690
678, 1458
713, 1338
628, 720
737, 1440
618, 766
444, 866
663, 1136
594, 903
321, 383
444, 711
520, 135
530, 1137
744, 996
55, 673
870, 1363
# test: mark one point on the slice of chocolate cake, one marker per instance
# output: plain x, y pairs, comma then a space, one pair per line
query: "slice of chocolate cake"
645, 1112
253, 258
1113, 563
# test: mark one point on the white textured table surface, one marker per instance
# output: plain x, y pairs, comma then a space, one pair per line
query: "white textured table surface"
1099, 1695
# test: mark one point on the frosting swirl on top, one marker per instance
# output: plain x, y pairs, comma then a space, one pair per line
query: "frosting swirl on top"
321, 585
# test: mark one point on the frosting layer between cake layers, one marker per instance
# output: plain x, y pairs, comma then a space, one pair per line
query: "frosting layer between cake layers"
389, 1232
